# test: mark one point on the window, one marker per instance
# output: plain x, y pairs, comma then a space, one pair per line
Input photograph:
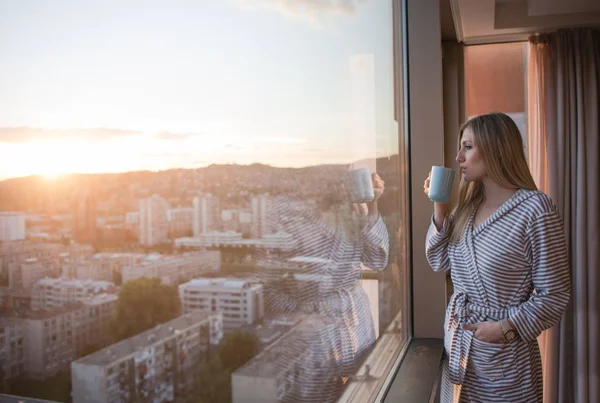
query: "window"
272, 122
496, 81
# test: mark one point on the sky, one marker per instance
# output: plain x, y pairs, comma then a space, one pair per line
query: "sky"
112, 86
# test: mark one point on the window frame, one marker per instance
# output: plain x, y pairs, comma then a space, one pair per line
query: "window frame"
401, 114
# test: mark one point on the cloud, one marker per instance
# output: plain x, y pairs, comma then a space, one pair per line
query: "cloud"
169, 136
30, 134
305, 10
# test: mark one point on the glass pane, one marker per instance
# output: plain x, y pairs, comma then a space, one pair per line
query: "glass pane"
249, 154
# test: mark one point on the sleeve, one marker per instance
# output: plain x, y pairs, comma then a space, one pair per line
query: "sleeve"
546, 249
376, 245
303, 226
436, 246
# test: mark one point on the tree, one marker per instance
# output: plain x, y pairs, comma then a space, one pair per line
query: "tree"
89, 349
143, 304
213, 378
212, 383
237, 349
56, 388
64, 240
117, 277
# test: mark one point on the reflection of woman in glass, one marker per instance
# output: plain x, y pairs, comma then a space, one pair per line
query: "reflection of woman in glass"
321, 278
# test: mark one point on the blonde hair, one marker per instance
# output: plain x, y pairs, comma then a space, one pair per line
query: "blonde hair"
500, 144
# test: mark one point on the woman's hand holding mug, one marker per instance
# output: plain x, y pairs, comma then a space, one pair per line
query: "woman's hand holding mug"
437, 187
370, 207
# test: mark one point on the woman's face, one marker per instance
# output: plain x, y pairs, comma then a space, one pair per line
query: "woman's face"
470, 160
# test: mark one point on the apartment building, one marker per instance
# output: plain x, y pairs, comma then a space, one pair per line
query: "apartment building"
180, 222
154, 366
239, 220
50, 293
207, 214
280, 240
261, 206
18, 252
26, 274
12, 226
288, 369
85, 217
173, 269
50, 340
94, 330
23, 263
15, 299
76, 252
92, 269
240, 301
12, 348
154, 226
102, 266
56, 337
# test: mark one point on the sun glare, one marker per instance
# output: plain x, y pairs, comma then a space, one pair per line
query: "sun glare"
54, 159
50, 176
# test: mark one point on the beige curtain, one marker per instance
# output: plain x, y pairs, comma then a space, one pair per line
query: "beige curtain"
563, 108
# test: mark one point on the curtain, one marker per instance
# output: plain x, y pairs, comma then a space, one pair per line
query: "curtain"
563, 109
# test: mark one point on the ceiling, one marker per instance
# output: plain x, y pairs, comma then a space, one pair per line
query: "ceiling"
491, 21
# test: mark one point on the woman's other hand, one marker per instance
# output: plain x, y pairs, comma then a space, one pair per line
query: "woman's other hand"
490, 332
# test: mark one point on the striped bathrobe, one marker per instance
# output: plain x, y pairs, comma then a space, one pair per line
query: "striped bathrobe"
514, 265
345, 330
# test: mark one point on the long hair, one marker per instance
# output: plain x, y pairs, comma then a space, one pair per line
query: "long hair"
500, 144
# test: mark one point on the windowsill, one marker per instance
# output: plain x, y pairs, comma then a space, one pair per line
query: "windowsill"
416, 379
374, 373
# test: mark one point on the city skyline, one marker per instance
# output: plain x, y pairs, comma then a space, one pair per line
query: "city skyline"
190, 85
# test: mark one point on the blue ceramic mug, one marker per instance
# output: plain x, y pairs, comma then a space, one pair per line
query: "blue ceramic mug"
440, 184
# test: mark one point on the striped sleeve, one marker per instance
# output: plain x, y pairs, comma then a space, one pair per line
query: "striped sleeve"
310, 236
376, 245
436, 247
546, 250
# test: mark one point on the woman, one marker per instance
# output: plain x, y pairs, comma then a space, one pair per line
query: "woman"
320, 279
505, 247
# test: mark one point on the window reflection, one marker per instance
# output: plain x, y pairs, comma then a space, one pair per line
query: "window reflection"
317, 279
203, 201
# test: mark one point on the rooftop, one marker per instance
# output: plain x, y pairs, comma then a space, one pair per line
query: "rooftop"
100, 299
143, 340
218, 283
69, 282
53, 313
111, 255
267, 335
